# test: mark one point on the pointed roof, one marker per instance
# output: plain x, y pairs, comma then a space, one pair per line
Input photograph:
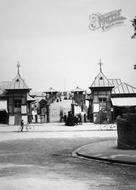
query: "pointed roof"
115, 82
50, 90
124, 88
101, 80
77, 89
18, 82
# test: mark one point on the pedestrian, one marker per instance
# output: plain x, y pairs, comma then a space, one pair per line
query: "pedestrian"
61, 115
76, 120
22, 125
85, 117
65, 117
79, 118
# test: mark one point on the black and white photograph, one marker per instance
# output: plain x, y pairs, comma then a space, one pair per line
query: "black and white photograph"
67, 94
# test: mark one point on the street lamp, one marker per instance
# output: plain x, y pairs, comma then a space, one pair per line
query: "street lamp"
73, 103
83, 100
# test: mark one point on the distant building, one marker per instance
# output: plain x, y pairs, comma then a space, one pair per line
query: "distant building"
79, 97
15, 94
101, 90
110, 98
51, 94
123, 99
3, 103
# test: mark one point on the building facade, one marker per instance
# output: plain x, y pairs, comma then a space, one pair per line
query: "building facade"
16, 94
110, 98
101, 90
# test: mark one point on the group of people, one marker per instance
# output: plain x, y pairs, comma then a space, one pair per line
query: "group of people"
72, 120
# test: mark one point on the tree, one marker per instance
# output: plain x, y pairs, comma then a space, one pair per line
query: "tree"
134, 26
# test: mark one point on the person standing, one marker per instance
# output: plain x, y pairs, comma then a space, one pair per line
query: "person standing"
22, 125
65, 117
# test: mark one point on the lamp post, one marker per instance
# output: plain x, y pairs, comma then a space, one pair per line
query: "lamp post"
72, 104
83, 100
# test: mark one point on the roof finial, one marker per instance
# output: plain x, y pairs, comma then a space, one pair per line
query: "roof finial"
18, 66
100, 63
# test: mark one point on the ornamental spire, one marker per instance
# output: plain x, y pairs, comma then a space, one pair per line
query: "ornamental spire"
18, 66
100, 63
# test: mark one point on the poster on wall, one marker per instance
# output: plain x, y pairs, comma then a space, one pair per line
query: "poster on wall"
23, 109
96, 108
3, 105
11, 120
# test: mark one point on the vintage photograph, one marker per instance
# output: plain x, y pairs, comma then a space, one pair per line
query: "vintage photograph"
67, 94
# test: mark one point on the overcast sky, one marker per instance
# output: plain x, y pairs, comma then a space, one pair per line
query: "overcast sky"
55, 46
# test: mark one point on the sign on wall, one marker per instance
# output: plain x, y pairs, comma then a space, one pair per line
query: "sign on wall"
3, 105
95, 107
23, 109
11, 120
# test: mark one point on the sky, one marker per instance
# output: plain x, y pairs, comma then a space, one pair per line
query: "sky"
55, 47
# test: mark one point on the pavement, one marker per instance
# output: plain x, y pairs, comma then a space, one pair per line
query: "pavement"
105, 149
57, 130
61, 127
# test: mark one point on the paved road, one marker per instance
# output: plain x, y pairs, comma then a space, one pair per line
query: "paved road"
43, 160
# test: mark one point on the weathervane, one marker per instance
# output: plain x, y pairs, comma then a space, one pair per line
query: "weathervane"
18, 66
100, 63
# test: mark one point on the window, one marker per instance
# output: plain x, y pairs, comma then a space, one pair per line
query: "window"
17, 103
102, 100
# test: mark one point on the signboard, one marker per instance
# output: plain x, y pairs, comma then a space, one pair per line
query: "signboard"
11, 120
34, 112
96, 108
23, 109
77, 109
3, 105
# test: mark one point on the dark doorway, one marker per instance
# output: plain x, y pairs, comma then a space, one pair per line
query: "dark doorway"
3, 117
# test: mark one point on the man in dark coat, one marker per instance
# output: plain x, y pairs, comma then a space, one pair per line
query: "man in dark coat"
22, 125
